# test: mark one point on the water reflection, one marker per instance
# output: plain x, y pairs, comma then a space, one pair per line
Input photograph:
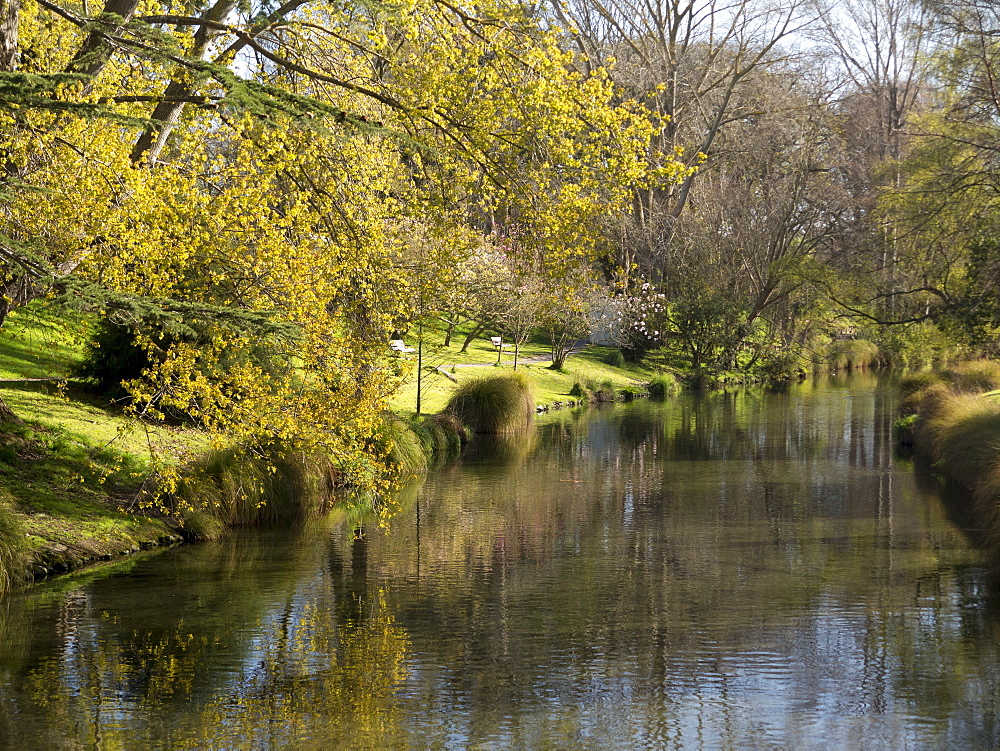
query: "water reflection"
743, 569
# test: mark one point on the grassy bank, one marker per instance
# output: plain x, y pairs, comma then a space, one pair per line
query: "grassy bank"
72, 474
446, 369
952, 418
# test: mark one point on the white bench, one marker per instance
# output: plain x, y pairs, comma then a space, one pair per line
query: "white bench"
398, 345
498, 342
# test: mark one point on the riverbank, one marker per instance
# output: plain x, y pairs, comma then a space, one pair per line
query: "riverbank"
76, 477
951, 418
77, 480
69, 498
590, 373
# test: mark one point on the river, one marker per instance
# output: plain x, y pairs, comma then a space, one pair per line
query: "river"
745, 570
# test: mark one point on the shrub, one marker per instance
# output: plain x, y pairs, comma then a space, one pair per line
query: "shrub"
581, 391
615, 359
903, 428
111, 356
783, 365
605, 392
493, 404
628, 393
662, 385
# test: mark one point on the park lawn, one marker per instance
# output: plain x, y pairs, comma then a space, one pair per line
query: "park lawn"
73, 471
549, 386
38, 341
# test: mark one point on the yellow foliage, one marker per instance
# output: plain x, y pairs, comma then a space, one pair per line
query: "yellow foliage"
334, 226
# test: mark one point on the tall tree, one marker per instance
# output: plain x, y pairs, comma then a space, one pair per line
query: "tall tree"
250, 166
689, 62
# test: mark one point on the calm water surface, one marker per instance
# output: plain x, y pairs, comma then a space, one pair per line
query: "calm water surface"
751, 570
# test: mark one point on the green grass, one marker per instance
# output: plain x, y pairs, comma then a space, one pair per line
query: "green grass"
70, 476
39, 341
549, 386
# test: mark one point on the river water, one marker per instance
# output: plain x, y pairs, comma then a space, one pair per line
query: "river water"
743, 570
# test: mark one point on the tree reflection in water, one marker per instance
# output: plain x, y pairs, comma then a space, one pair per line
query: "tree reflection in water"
750, 568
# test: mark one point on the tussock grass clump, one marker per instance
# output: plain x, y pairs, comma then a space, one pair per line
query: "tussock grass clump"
447, 433
237, 487
850, 354
963, 434
957, 427
12, 547
493, 404
400, 446
974, 376
663, 385
201, 526
918, 381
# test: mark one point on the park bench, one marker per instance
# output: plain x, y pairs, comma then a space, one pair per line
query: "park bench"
498, 342
398, 345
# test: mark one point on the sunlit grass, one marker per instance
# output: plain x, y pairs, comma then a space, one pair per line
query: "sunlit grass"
39, 341
549, 386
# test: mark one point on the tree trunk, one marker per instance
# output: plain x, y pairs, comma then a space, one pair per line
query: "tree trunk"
10, 13
95, 53
476, 331
150, 144
7, 414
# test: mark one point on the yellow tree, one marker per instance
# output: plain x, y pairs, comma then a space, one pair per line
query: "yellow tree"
246, 177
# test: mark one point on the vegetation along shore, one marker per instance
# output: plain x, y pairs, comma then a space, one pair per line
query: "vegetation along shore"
951, 419
258, 262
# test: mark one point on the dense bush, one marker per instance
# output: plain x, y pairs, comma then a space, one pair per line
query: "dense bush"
663, 384
112, 355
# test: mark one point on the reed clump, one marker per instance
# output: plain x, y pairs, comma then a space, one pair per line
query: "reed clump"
442, 436
236, 487
493, 404
956, 426
12, 545
399, 446
852, 354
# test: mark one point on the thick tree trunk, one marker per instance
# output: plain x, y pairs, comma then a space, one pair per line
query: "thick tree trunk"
150, 144
7, 414
10, 13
